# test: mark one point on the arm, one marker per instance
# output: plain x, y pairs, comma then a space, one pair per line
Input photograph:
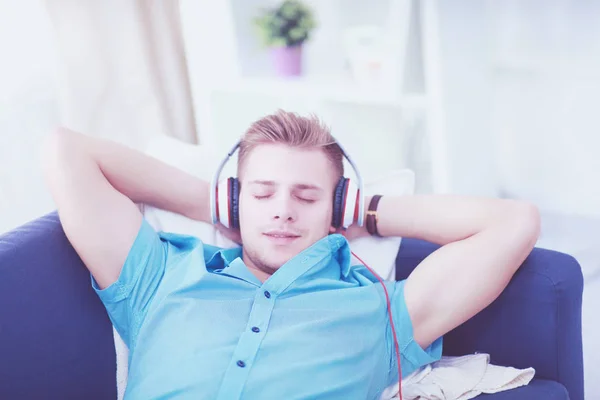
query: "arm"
484, 241
95, 184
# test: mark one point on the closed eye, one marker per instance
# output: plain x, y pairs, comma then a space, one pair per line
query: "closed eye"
302, 199
308, 201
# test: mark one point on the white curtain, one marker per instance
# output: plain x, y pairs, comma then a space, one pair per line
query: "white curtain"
122, 69
28, 109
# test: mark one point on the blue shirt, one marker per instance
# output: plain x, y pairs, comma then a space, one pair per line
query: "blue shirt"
200, 325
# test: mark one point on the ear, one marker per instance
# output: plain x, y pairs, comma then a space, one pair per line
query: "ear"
331, 230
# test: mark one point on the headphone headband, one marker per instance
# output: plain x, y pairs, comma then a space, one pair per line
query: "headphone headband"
215, 183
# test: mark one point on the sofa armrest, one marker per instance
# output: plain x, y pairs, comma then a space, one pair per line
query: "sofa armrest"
535, 322
56, 339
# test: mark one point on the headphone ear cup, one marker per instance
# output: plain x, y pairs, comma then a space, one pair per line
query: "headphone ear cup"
338, 202
350, 207
223, 210
234, 203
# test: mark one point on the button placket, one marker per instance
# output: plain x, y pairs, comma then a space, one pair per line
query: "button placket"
248, 345
266, 294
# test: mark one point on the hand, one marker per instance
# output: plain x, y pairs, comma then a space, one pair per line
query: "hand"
230, 233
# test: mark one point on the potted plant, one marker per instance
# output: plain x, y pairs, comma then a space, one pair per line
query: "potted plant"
284, 29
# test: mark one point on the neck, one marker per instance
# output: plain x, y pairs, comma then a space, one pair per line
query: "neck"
261, 273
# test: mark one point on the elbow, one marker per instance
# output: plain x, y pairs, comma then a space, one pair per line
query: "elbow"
63, 143
526, 223
58, 148
54, 147
58, 142
517, 232
51, 149
532, 222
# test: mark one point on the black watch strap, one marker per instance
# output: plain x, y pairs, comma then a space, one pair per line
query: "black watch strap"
372, 216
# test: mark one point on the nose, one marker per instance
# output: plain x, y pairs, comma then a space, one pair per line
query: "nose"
283, 209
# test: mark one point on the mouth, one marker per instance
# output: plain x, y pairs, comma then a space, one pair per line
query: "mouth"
281, 238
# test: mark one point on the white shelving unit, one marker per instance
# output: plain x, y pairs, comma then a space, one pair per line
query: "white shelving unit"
375, 123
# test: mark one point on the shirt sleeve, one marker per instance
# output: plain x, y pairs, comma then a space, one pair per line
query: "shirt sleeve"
412, 355
127, 299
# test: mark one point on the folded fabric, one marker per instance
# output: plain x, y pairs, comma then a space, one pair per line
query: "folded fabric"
459, 378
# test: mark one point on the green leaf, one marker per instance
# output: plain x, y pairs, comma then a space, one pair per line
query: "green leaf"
278, 42
290, 23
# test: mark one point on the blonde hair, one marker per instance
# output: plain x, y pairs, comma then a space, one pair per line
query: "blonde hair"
293, 130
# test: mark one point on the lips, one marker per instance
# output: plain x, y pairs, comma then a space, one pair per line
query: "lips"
281, 237
281, 233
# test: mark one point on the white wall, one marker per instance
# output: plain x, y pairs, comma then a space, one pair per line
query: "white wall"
521, 88
545, 102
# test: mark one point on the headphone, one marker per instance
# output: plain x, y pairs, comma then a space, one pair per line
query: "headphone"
348, 197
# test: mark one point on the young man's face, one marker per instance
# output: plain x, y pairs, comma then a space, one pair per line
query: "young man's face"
286, 203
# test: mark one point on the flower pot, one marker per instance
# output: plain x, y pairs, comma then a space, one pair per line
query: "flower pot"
287, 61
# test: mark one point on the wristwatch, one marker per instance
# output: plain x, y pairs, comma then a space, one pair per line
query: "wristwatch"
372, 216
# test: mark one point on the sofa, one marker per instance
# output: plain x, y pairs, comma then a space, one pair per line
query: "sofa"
56, 341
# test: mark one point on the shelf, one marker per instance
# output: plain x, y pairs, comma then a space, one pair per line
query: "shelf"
332, 89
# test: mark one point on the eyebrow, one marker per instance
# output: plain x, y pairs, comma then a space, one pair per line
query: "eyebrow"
301, 186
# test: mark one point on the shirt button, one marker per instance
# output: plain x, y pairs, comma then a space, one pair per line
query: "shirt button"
255, 329
241, 364
267, 294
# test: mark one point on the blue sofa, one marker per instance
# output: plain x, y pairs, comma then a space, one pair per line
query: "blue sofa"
56, 339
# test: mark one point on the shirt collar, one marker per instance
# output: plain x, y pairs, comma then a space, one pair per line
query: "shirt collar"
221, 258
228, 261
316, 260
327, 260
238, 269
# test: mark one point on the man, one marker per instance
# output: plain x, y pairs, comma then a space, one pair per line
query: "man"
286, 315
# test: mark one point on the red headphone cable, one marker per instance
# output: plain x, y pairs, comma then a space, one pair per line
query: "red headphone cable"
389, 309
